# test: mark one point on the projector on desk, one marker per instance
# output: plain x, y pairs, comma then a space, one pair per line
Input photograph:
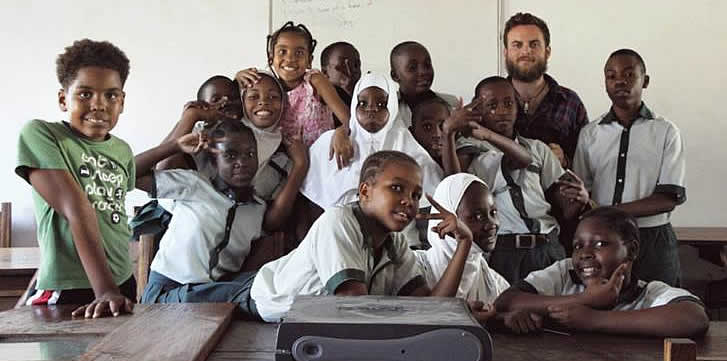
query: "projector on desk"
372, 328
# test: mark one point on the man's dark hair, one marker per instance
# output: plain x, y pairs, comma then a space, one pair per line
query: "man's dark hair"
526, 19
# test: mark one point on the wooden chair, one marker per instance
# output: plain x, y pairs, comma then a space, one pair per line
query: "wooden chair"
5, 224
148, 247
680, 349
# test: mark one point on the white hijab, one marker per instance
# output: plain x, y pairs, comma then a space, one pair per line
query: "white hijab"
479, 282
328, 186
268, 139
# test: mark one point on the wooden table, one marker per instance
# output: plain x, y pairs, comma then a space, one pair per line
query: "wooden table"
702, 236
48, 333
17, 266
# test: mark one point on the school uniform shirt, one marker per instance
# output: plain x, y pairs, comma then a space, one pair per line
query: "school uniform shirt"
560, 279
336, 249
619, 164
105, 172
529, 184
210, 234
405, 112
479, 282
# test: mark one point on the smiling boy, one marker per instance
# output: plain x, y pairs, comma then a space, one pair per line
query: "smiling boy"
80, 175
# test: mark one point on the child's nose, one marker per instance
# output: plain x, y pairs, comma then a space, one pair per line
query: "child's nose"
98, 103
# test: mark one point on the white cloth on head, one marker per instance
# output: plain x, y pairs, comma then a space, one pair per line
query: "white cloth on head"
479, 281
268, 139
326, 185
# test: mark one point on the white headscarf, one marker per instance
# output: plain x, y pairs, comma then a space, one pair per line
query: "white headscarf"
328, 186
268, 139
479, 282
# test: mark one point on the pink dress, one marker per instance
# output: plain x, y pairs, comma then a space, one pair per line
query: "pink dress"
306, 109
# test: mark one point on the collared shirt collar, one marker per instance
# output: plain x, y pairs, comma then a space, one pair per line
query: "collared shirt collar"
366, 230
644, 112
227, 191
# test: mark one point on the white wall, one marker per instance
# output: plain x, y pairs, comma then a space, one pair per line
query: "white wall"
176, 45
173, 47
684, 46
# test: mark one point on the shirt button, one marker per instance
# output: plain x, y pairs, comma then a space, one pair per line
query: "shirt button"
620, 180
623, 155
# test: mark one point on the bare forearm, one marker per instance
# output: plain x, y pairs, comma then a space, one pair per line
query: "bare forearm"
513, 299
649, 206
450, 162
280, 209
682, 319
448, 284
146, 161
330, 97
184, 126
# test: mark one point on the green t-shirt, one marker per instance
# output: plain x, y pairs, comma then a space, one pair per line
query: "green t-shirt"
105, 172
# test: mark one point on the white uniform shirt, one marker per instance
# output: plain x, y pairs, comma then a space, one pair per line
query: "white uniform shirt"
559, 279
334, 251
534, 181
196, 234
621, 165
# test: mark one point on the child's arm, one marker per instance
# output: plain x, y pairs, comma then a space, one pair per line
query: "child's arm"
458, 120
193, 112
572, 196
517, 156
598, 294
680, 319
649, 206
278, 212
341, 145
450, 225
73, 205
189, 143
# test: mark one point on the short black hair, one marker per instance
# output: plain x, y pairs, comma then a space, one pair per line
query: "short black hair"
290, 27
376, 162
86, 52
490, 80
216, 78
629, 52
400, 48
416, 112
326, 53
526, 19
618, 221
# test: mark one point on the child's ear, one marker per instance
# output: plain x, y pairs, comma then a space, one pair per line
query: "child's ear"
363, 191
394, 76
62, 100
646, 81
633, 250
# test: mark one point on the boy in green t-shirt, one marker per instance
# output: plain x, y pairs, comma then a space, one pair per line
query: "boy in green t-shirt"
80, 175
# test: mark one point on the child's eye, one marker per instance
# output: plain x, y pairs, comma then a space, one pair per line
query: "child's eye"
493, 213
251, 155
112, 96
577, 246
299, 53
381, 105
508, 104
427, 127
416, 195
601, 244
361, 104
395, 187
85, 95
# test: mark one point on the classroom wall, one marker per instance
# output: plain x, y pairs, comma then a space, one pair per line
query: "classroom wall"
176, 45
173, 47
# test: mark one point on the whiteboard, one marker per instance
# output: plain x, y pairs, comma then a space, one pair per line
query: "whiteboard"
461, 35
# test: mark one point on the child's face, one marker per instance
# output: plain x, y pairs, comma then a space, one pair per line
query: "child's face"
427, 127
216, 90
371, 110
236, 159
393, 198
598, 251
344, 67
263, 102
498, 107
93, 101
291, 58
625, 80
413, 70
477, 210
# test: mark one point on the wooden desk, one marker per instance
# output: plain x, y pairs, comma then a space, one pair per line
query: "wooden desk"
25, 331
702, 236
17, 266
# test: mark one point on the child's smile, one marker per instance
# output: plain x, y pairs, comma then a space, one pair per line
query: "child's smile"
598, 251
414, 70
263, 102
291, 58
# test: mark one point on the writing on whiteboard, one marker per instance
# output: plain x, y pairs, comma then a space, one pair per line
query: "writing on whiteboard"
338, 13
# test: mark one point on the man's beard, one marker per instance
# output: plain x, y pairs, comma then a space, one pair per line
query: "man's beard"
527, 76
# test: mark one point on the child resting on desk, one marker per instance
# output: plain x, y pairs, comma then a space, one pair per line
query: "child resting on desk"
80, 174
356, 249
595, 290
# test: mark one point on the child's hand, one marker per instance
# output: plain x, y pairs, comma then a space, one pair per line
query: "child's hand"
113, 303
247, 78
603, 293
461, 116
572, 188
559, 153
198, 110
573, 315
480, 132
192, 143
522, 321
480, 311
450, 224
341, 147
297, 151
